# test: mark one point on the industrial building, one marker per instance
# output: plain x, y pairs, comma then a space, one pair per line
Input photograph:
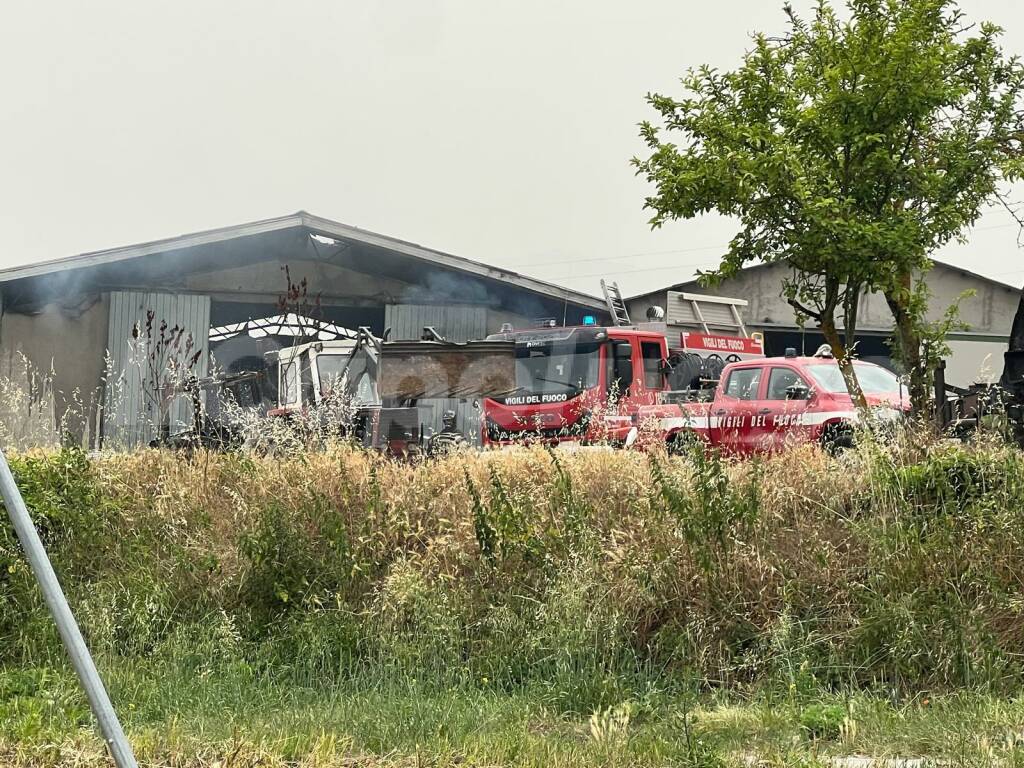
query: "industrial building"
91, 325
977, 352
81, 319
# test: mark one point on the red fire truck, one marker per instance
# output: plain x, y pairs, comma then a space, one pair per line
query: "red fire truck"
691, 372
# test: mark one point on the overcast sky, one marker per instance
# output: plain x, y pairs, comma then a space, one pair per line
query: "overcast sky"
498, 131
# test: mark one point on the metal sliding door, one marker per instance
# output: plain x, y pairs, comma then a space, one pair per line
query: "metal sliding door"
134, 398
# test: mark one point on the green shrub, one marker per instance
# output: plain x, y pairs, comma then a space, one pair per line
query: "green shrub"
297, 559
71, 516
940, 588
957, 479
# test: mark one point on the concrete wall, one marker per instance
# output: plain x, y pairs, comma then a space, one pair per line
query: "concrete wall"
990, 311
71, 341
974, 360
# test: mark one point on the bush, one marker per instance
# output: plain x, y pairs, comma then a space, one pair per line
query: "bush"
69, 512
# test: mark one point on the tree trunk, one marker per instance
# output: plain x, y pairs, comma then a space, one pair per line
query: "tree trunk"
845, 362
1013, 365
909, 339
850, 306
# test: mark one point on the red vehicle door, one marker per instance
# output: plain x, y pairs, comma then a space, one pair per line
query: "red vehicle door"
634, 377
785, 408
622, 388
734, 408
650, 362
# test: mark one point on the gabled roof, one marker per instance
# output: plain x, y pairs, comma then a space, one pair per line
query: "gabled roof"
315, 225
940, 264
975, 275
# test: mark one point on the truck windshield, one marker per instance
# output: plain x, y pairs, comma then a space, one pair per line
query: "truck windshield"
556, 368
330, 368
874, 379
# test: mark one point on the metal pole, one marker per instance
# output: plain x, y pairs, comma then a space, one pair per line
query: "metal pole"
110, 727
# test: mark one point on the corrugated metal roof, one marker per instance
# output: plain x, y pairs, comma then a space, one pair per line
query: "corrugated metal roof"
315, 225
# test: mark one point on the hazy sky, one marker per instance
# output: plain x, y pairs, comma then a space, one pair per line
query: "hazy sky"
499, 131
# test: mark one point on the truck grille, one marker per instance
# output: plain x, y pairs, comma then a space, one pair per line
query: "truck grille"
526, 432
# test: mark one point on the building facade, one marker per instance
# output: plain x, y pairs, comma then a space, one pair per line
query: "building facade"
93, 324
987, 308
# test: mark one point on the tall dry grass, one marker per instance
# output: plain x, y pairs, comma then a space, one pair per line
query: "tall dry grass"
897, 565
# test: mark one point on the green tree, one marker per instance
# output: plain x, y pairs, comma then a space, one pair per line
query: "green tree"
850, 148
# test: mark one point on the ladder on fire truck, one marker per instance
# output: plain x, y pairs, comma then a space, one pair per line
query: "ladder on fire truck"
616, 306
708, 313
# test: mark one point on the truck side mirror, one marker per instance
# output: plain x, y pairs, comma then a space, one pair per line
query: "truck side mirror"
798, 392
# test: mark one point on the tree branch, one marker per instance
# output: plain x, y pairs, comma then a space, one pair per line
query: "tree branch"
1008, 206
804, 310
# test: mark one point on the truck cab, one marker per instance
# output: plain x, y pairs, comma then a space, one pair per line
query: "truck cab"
577, 384
768, 404
308, 373
389, 389
344, 374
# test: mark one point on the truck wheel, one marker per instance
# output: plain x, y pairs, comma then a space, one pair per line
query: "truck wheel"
837, 438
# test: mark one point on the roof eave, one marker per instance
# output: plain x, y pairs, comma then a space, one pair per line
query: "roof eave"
310, 222
111, 255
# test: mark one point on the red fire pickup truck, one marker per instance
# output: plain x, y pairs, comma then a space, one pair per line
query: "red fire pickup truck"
767, 404
597, 384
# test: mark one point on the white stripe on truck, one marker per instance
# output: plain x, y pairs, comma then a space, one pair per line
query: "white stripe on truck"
685, 422
805, 419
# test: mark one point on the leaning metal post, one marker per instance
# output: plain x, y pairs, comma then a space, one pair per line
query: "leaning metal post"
110, 727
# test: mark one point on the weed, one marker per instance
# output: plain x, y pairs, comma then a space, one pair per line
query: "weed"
822, 721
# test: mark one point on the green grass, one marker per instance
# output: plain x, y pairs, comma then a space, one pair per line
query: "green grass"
231, 714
